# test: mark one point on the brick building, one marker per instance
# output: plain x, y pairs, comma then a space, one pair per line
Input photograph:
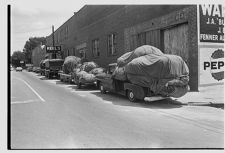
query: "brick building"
102, 33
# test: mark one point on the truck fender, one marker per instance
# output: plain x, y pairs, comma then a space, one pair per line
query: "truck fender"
137, 90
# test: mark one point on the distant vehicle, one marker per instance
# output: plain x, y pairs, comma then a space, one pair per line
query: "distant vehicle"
19, 69
29, 69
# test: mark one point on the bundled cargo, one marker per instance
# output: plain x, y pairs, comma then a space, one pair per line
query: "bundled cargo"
88, 66
148, 67
70, 63
84, 77
119, 74
96, 71
140, 51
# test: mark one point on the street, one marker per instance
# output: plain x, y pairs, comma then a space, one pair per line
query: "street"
49, 114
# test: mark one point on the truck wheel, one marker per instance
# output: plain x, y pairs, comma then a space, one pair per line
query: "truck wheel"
131, 96
79, 85
102, 88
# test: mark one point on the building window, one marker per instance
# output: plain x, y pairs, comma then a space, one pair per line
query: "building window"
95, 48
74, 52
68, 52
82, 53
112, 44
141, 38
66, 32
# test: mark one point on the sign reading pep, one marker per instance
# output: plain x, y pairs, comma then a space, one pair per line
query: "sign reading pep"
216, 65
211, 65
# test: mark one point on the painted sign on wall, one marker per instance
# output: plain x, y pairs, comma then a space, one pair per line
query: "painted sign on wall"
211, 65
211, 23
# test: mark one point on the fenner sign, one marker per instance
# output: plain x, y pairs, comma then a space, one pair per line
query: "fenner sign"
211, 23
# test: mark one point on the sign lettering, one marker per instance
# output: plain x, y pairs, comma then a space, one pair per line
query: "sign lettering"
211, 23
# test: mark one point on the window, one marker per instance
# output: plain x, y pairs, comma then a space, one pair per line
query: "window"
82, 52
74, 51
95, 48
141, 38
112, 44
66, 32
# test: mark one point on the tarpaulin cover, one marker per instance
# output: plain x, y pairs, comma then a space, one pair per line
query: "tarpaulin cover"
148, 67
88, 66
140, 51
119, 74
155, 71
85, 77
70, 63
96, 71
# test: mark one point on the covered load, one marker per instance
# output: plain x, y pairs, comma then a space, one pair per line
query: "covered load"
86, 72
148, 67
88, 66
70, 64
140, 51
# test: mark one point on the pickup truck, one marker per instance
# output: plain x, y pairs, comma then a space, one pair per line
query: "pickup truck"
134, 92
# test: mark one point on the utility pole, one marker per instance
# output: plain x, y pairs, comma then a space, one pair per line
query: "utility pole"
53, 43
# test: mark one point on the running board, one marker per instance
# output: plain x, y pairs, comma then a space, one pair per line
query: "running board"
155, 98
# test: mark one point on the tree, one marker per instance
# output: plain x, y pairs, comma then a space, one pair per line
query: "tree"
16, 57
30, 45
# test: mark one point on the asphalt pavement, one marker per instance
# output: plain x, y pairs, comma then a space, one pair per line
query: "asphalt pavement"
49, 114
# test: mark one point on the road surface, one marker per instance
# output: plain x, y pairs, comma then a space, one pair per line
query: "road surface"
48, 114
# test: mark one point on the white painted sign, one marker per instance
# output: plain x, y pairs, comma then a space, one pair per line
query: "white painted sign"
211, 65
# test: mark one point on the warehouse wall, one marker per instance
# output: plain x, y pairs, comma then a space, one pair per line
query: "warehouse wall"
128, 22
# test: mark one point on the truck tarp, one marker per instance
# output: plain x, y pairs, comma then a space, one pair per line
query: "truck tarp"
151, 68
140, 51
70, 63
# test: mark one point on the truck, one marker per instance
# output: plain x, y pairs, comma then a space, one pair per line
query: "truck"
52, 67
134, 92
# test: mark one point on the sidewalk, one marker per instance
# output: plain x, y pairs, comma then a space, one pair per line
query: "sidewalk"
207, 96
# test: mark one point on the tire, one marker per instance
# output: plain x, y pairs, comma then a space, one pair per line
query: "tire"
102, 88
79, 85
131, 96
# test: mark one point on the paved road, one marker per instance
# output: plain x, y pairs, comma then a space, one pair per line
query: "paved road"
50, 114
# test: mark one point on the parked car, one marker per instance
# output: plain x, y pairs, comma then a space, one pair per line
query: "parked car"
19, 69
30, 68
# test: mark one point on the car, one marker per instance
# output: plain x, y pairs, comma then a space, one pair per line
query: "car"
19, 69
29, 69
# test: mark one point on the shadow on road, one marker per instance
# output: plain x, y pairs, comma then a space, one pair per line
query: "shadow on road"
123, 101
83, 88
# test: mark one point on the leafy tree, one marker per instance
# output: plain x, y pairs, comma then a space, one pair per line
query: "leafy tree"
16, 57
30, 45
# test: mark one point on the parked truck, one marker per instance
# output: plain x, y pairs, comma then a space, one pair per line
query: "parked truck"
134, 92
52, 67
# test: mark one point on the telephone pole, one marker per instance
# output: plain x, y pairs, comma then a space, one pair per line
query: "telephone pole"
53, 43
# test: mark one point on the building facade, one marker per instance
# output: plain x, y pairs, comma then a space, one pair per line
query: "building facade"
102, 33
